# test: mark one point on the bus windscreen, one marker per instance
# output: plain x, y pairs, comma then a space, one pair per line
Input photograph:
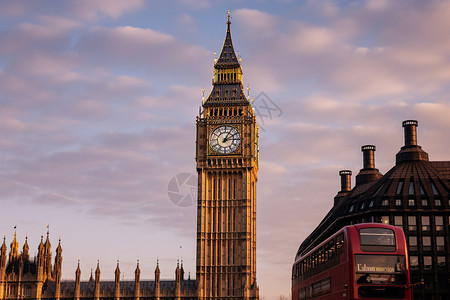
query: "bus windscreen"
377, 239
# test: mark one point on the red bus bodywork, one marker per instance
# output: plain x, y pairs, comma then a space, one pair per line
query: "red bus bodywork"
363, 261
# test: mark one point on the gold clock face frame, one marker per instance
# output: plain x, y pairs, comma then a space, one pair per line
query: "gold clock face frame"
225, 140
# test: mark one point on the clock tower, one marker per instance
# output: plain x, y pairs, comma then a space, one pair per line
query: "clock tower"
227, 166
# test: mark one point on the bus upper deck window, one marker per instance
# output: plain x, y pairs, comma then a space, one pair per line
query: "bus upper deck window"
340, 243
377, 239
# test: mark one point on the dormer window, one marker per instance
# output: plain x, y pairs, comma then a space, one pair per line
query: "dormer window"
399, 187
411, 188
433, 187
422, 192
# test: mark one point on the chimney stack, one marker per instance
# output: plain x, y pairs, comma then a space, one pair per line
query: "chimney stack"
346, 180
368, 173
411, 150
368, 156
410, 132
346, 185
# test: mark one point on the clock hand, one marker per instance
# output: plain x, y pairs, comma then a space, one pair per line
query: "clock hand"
226, 138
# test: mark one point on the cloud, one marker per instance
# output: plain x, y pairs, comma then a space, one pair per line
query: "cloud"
78, 9
155, 52
195, 4
406, 53
92, 10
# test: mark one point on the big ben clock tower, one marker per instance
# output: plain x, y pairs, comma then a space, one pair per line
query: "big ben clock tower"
227, 166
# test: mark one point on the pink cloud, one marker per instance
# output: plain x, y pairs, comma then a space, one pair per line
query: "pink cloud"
93, 10
130, 46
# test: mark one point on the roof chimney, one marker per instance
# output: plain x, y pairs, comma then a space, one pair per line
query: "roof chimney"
411, 151
346, 183
346, 180
368, 173
410, 132
368, 156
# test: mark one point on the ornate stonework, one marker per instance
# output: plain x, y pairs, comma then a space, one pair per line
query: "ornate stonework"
227, 166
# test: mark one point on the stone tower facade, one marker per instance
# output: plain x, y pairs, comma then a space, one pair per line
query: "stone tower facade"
227, 166
25, 277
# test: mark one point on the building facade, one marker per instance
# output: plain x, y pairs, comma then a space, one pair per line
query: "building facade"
415, 195
227, 167
22, 277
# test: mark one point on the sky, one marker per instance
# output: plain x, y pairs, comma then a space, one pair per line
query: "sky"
98, 101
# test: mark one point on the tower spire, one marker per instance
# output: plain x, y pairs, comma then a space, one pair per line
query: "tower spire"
227, 78
227, 57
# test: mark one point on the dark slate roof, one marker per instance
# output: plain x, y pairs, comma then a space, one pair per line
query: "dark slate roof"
443, 167
227, 57
227, 94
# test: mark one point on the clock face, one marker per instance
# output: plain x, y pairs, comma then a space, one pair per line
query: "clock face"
225, 139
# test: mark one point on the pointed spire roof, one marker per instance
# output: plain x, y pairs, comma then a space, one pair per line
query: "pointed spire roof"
47, 241
227, 57
14, 246
3, 248
117, 272
25, 246
59, 248
157, 266
41, 246
227, 80
78, 270
138, 270
25, 249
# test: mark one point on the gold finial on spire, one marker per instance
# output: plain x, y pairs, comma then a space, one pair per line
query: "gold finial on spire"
228, 16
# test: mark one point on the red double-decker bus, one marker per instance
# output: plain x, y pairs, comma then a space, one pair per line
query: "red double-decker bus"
363, 261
